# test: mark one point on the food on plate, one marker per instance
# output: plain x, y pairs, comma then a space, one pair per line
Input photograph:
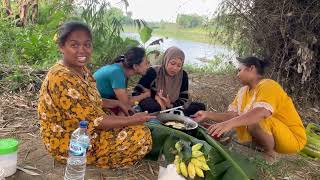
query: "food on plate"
175, 124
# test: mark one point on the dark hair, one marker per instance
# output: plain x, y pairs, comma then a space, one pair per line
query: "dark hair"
149, 104
254, 61
133, 56
68, 27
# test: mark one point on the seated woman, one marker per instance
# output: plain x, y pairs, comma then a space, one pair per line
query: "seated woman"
112, 79
261, 112
168, 84
69, 95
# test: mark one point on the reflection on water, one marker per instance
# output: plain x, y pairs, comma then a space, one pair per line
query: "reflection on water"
197, 53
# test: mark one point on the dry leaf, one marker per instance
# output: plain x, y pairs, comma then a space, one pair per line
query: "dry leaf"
32, 173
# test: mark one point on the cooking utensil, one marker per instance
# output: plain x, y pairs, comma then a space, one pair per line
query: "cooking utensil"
185, 106
180, 117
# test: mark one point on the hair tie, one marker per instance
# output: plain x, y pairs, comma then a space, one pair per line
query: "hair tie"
122, 58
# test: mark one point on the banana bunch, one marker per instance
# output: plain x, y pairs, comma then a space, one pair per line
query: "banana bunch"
312, 148
195, 165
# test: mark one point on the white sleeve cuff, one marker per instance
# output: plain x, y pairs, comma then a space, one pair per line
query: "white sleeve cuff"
265, 105
232, 108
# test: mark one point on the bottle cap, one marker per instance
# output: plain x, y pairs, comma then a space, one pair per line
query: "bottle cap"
8, 145
83, 124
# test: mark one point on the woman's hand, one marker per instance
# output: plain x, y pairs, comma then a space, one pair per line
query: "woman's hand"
160, 101
142, 117
220, 128
125, 108
200, 116
166, 100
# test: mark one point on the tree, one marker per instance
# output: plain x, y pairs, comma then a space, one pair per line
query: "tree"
285, 32
119, 15
7, 5
189, 21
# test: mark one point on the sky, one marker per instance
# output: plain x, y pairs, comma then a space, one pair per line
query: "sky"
167, 10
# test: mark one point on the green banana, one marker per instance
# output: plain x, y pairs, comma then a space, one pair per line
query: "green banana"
312, 152
178, 146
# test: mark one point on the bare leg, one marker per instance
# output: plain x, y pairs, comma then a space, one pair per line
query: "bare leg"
264, 140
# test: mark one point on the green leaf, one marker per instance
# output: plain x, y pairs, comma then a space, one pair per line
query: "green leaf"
169, 150
145, 34
157, 143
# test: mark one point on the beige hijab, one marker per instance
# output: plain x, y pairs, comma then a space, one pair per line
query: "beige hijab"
170, 85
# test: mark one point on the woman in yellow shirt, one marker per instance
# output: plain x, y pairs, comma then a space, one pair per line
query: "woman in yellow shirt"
69, 95
261, 112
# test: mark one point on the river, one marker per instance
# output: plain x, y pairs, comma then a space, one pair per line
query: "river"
197, 53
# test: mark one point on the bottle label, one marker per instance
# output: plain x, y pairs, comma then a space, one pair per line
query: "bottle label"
77, 149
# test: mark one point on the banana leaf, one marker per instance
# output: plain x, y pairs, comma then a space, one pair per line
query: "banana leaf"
223, 164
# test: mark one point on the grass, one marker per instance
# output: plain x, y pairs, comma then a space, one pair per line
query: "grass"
197, 34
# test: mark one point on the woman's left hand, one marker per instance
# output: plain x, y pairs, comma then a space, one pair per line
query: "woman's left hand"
220, 128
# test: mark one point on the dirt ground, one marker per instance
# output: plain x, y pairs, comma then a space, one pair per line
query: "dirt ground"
18, 119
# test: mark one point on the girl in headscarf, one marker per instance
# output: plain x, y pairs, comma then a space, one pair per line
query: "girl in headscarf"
168, 84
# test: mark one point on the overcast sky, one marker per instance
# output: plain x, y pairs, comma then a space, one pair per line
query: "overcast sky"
157, 10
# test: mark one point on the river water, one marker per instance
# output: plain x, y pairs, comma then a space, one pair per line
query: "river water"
197, 53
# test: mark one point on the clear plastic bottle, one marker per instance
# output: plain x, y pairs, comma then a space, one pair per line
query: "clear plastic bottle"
136, 108
76, 163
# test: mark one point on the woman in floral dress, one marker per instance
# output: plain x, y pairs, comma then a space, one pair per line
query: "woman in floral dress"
69, 95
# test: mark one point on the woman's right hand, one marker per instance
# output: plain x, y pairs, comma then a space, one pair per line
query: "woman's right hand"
125, 108
200, 116
160, 102
142, 117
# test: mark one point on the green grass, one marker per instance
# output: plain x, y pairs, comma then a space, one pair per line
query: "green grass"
197, 34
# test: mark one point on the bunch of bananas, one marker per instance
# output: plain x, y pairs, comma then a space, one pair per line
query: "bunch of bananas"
312, 148
195, 165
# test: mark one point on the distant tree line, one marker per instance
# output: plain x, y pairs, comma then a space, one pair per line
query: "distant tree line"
189, 20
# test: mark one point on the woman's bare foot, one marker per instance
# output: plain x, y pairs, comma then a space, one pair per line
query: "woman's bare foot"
269, 157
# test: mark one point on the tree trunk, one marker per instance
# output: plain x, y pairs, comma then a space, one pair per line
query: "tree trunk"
34, 5
23, 12
7, 6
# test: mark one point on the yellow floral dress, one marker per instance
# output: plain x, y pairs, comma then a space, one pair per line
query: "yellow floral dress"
65, 99
284, 124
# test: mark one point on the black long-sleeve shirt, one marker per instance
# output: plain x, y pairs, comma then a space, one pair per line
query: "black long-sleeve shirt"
148, 81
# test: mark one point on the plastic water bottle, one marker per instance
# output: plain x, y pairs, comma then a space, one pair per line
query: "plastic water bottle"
136, 108
76, 163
